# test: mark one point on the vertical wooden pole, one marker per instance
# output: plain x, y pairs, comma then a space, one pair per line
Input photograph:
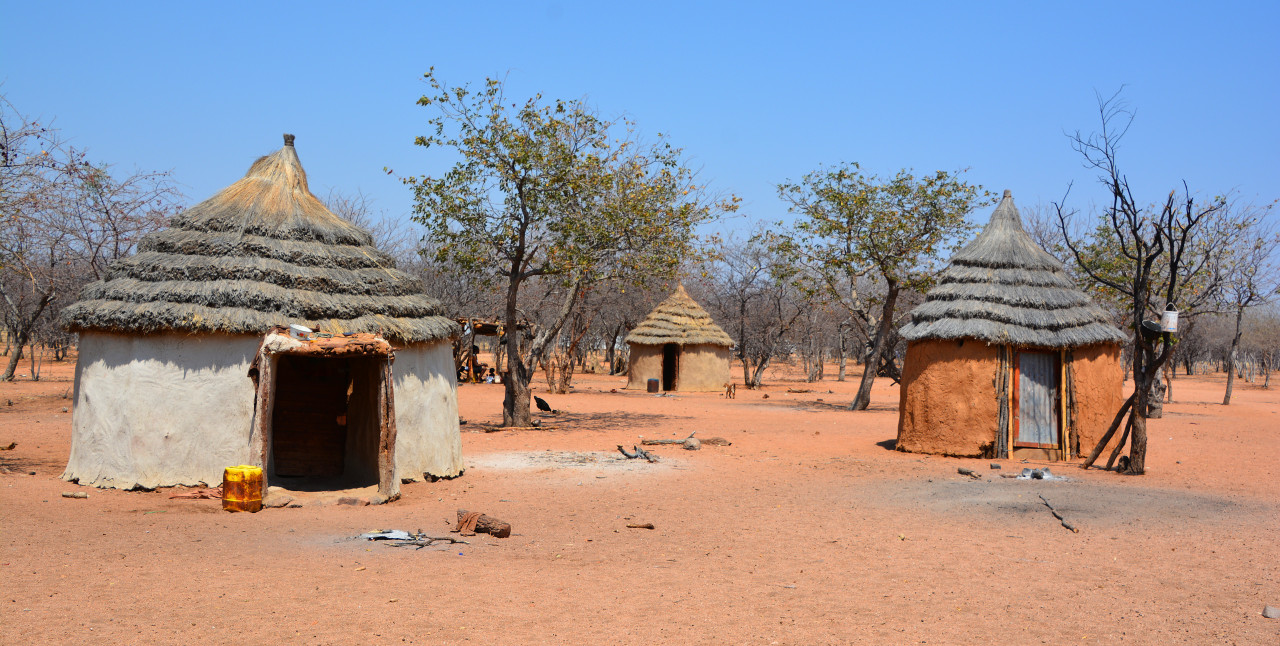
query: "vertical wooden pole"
388, 479
1064, 428
1002, 399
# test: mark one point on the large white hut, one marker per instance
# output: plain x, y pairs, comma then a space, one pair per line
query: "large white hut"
169, 339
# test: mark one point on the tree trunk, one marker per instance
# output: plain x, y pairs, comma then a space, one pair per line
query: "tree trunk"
872, 365
1155, 405
844, 358
1231, 357
515, 400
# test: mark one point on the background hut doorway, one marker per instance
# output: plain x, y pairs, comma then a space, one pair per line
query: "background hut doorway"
1036, 392
670, 365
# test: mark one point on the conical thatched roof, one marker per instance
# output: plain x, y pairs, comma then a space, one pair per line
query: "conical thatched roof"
262, 252
1003, 288
679, 319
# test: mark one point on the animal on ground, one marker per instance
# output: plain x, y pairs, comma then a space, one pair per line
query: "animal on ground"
731, 391
543, 405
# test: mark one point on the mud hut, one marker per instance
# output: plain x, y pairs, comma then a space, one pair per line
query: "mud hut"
679, 345
1006, 357
180, 374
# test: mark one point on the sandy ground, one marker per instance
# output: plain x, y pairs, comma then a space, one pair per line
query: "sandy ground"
808, 529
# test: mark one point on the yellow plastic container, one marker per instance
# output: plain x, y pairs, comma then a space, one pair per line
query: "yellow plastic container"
242, 488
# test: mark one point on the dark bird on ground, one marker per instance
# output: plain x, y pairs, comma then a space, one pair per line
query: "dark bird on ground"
543, 405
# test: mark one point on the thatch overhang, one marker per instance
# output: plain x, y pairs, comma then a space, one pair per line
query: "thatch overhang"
1002, 288
260, 253
680, 320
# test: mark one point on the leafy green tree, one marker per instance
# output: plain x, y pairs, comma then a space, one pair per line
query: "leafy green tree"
857, 229
551, 191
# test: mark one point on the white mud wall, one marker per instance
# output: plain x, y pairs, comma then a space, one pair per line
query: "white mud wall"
160, 409
426, 391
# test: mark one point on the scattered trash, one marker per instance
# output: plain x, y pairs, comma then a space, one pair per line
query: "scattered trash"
640, 526
387, 535
12, 446
401, 538
74, 494
1038, 474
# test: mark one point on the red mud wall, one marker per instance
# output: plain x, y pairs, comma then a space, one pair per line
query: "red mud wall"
1099, 385
948, 403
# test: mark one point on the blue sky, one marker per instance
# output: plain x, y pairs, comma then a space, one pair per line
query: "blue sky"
755, 93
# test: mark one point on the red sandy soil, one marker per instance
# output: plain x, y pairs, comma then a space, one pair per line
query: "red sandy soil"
807, 530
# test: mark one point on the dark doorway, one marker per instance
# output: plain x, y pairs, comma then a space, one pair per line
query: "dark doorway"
309, 420
670, 365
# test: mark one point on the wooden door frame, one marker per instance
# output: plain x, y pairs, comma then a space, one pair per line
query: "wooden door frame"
262, 372
1016, 404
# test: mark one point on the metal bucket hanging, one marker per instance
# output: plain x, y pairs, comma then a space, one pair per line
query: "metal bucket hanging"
1169, 319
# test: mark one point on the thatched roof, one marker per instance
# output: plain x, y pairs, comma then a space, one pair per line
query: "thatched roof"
262, 252
1003, 288
679, 319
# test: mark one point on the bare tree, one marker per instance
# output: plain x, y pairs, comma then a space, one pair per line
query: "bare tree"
1252, 278
1140, 240
63, 221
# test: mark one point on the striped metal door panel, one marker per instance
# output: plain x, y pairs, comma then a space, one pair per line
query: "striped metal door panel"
1037, 399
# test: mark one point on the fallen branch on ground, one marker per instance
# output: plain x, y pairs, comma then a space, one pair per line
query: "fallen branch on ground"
421, 540
638, 453
1058, 515
650, 442
495, 429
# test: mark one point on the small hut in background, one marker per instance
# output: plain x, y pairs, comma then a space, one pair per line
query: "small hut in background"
180, 375
1006, 357
679, 344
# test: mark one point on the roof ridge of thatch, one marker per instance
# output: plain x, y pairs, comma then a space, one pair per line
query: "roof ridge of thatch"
679, 319
1003, 288
260, 253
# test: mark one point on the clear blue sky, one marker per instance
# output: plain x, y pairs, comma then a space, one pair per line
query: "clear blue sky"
754, 92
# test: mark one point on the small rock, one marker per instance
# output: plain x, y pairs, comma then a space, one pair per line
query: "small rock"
692, 444
994, 465
74, 494
64, 409
354, 502
965, 471
1271, 612
275, 501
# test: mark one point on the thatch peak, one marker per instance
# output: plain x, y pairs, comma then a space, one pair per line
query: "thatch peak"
273, 200
679, 319
1003, 243
260, 253
1003, 288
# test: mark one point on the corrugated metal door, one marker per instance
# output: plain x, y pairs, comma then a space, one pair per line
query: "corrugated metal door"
1037, 400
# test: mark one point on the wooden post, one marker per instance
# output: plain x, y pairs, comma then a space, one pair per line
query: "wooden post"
1002, 399
388, 479
263, 407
